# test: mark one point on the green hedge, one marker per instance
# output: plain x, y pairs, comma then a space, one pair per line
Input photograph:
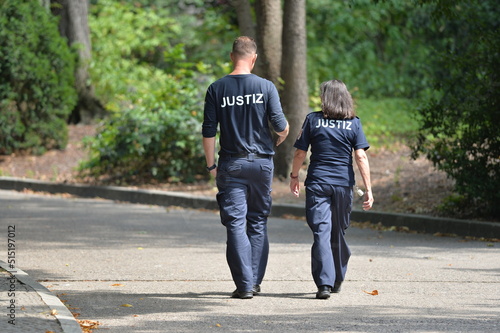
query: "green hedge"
154, 95
143, 144
36, 79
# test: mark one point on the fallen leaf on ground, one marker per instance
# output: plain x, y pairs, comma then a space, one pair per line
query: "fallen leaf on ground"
127, 305
117, 285
443, 234
373, 293
53, 312
87, 325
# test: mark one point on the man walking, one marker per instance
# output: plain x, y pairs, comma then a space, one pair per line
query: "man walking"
243, 105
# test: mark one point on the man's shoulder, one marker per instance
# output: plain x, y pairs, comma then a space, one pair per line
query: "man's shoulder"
230, 79
219, 81
253, 78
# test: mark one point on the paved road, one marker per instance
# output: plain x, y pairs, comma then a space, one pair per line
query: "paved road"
168, 266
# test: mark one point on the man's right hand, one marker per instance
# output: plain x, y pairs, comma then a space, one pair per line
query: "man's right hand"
282, 135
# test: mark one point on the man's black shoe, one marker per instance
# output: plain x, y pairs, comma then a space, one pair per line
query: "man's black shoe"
256, 289
242, 294
323, 292
336, 287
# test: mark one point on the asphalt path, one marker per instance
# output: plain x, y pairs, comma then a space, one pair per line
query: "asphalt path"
139, 268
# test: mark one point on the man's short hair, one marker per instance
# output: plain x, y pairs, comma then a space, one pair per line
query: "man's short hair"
244, 46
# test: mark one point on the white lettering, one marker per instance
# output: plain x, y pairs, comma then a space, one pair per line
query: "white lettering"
331, 123
242, 100
259, 99
239, 100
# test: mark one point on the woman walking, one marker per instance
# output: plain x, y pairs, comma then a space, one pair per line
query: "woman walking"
333, 134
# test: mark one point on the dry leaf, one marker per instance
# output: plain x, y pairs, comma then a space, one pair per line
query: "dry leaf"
53, 312
87, 325
117, 285
373, 293
218, 325
127, 305
140, 248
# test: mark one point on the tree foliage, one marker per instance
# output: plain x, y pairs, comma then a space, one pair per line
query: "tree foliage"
143, 78
36, 79
379, 49
459, 125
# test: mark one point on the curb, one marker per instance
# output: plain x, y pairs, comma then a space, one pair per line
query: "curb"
419, 223
62, 314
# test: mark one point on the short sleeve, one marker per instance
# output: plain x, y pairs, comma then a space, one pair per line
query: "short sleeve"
361, 142
303, 139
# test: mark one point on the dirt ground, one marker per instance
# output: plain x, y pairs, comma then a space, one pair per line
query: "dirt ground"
399, 183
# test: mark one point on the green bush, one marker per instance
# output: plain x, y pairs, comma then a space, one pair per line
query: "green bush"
143, 144
459, 126
36, 79
154, 95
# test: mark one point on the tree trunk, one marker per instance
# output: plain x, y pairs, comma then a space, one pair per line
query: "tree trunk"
244, 13
282, 49
294, 96
269, 31
74, 26
45, 4
247, 26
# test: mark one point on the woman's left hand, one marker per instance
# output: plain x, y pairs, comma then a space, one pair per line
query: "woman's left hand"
368, 203
295, 186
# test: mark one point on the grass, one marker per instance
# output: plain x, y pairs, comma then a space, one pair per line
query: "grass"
387, 121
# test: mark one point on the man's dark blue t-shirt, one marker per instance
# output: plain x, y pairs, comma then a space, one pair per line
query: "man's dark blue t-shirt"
332, 142
243, 105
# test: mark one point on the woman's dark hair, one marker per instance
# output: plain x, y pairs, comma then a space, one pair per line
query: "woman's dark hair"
336, 101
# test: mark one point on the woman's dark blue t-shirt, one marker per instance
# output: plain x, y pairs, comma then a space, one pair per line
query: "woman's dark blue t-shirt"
332, 142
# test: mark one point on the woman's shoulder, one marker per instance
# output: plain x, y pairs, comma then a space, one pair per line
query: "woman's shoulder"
315, 114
